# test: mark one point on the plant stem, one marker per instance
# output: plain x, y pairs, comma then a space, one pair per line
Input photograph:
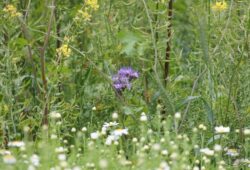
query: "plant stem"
169, 34
43, 66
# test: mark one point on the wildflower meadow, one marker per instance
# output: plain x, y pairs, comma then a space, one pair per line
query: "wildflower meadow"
125, 84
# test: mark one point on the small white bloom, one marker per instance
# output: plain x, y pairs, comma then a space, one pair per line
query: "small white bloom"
202, 127
95, 135
174, 156
84, 129
177, 115
76, 168
115, 116
164, 166
55, 115
104, 131
196, 147
73, 129
63, 164
35, 160
103, 163
110, 124
61, 157
164, 152
246, 131
134, 140
110, 139
5, 152
156, 147
90, 165
60, 150
17, 144
196, 168
23, 148
217, 147
116, 143
94, 108
162, 140
26, 129
221, 129
195, 130
142, 139
150, 131
145, 147
143, 117
207, 151
120, 132
31, 167
232, 152
9, 159
237, 130
53, 136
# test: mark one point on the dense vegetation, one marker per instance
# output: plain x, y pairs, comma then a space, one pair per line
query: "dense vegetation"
125, 84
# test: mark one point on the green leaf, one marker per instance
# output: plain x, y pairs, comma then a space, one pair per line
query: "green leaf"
209, 110
128, 40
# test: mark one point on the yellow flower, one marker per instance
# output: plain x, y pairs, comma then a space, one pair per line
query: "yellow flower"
12, 11
64, 50
219, 6
86, 16
83, 14
92, 4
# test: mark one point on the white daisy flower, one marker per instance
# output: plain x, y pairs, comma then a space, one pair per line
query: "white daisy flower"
207, 151
120, 132
95, 135
221, 129
110, 124
9, 159
232, 152
17, 144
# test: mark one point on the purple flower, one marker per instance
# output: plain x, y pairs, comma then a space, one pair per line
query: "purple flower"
128, 72
123, 79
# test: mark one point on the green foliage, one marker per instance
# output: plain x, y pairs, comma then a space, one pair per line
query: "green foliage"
61, 56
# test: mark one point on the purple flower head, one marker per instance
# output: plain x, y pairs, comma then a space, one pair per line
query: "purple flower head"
123, 79
128, 72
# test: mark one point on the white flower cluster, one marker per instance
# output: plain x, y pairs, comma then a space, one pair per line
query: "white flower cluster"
113, 134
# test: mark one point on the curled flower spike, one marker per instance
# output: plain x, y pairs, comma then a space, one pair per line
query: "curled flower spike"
123, 78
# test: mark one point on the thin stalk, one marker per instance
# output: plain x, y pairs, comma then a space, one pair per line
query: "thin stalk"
169, 35
30, 55
43, 66
156, 76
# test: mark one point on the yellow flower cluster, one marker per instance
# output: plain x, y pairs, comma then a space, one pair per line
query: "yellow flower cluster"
219, 6
92, 4
83, 14
64, 50
11, 11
